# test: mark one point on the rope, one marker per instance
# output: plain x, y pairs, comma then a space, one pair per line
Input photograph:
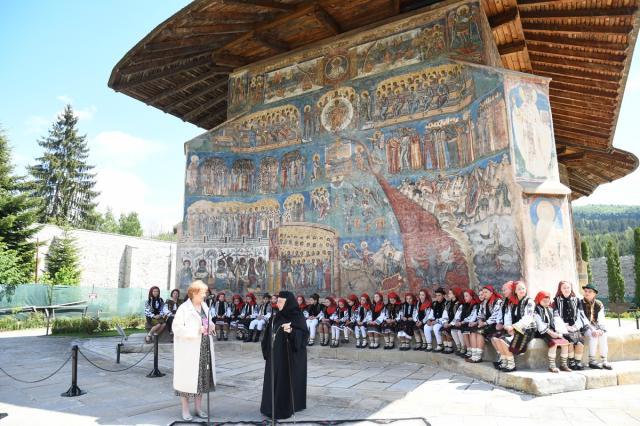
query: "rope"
113, 371
39, 380
314, 422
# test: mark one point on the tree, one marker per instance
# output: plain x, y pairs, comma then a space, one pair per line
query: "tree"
62, 177
584, 248
62, 266
18, 212
12, 273
109, 223
636, 238
130, 225
614, 274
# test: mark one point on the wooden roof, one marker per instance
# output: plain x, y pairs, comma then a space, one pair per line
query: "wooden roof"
585, 47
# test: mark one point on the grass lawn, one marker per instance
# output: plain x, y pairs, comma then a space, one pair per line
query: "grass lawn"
109, 333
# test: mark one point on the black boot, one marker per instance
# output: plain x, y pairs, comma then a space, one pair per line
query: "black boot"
256, 337
248, 337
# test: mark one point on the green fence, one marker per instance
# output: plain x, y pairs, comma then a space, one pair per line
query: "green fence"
102, 302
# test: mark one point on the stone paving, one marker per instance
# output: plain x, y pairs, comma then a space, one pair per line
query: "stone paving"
337, 389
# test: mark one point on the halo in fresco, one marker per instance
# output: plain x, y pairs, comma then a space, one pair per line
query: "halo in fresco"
337, 115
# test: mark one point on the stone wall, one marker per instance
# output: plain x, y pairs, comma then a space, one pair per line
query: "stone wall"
599, 271
117, 261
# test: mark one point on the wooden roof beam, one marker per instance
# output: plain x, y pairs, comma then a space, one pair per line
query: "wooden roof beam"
515, 46
173, 71
583, 73
324, 18
571, 157
271, 42
266, 4
233, 61
580, 12
179, 88
591, 171
211, 28
576, 79
157, 63
564, 39
503, 18
575, 53
204, 91
197, 112
576, 28
395, 6
600, 65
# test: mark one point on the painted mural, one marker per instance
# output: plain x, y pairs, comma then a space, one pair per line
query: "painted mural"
384, 164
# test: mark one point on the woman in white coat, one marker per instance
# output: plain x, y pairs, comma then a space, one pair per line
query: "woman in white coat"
192, 331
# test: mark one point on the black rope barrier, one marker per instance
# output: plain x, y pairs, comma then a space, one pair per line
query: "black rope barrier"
314, 422
39, 380
114, 371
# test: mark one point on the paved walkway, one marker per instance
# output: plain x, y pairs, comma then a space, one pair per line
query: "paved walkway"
336, 390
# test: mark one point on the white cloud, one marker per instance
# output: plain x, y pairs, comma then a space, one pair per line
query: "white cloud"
37, 124
122, 149
65, 99
85, 113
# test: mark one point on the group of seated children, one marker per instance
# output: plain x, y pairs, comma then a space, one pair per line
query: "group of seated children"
158, 313
460, 321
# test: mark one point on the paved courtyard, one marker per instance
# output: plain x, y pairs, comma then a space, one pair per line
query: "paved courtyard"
336, 390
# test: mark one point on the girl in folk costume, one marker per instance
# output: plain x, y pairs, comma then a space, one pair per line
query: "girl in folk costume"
249, 312
235, 320
376, 320
264, 313
595, 333
435, 321
221, 314
509, 298
324, 328
390, 322
352, 303
519, 328
465, 321
424, 310
547, 330
407, 323
339, 321
156, 312
569, 308
450, 309
489, 313
360, 318
313, 316
302, 304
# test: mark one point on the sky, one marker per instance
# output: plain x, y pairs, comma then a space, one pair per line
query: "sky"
58, 52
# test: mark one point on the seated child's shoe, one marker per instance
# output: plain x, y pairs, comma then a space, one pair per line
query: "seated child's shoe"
594, 365
311, 342
605, 364
429, 347
554, 370
579, 366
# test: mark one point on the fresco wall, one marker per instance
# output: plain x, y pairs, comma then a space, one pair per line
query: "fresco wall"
390, 159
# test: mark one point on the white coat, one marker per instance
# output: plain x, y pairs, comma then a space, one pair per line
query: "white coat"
186, 347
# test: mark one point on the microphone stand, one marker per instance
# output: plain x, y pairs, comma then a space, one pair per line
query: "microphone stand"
210, 372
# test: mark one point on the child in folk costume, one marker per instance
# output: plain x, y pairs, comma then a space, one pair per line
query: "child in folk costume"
302, 304
390, 321
569, 308
248, 314
352, 303
313, 317
339, 321
596, 332
519, 328
407, 323
435, 321
376, 320
324, 328
235, 321
451, 307
360, 317
424, 312
221, 315
547, 329
489, 314
509, 298
464, 321
261, 317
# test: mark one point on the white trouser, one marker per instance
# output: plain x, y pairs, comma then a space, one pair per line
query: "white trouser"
335, 332
361, 331
457, 337
595, 343
312, 325
435, 328
256, 324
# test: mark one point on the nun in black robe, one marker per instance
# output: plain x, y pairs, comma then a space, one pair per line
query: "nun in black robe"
289, 360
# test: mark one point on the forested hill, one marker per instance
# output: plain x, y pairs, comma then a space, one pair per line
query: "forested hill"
598, 224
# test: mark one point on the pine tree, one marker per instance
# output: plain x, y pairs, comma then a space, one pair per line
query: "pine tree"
109, 223
584, 248
62, 266
636, 239
130, 225
18, 212
614, 274
62, 177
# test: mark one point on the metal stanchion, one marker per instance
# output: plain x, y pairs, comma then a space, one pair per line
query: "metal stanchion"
155, 372
74, 390
118, 348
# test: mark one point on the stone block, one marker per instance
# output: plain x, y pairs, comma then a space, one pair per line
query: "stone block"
538, 383
599, 378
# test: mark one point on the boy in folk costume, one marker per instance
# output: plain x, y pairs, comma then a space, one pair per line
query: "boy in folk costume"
464, 321
324, 328
264, 313
451, 307
376, 320
547, 330
235, 320
596, 332
407, 323
352, 303
568, 307
249, 312
339, 321
221, 314
489, 313
423, 312
390, 323
519, 327
361, 316
435, 320
313, 317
